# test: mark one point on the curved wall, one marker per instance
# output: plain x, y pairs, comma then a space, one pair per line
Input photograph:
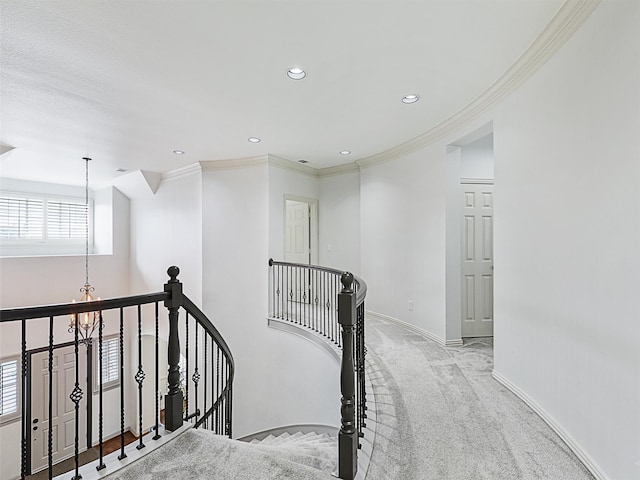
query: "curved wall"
567, 170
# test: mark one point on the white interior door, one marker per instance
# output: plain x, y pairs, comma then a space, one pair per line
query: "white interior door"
297, 246
477, 260
62, 421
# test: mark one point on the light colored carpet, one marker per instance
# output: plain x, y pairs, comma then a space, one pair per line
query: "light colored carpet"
441, 416
199, 454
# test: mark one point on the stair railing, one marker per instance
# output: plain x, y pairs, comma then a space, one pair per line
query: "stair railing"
210, 379
330, 302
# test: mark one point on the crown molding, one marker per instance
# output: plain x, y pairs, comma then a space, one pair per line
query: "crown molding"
213, 165
338, 170
181, 172
293, 166
562, 26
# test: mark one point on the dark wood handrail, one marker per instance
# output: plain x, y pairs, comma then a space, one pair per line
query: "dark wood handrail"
60, 309
202, 319
361, 292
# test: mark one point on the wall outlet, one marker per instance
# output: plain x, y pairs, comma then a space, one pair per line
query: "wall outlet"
410, 305
330, 248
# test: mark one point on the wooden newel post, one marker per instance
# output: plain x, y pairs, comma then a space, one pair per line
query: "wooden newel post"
348, 436
173, 400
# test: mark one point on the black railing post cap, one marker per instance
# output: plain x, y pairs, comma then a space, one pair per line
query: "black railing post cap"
271, 262
173, 273
347, 280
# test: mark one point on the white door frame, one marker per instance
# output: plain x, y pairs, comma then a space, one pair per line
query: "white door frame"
480, 327
313, 227
453, 213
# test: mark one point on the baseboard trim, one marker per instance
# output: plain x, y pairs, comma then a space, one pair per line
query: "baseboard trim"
583, 456
417, 330
304, 428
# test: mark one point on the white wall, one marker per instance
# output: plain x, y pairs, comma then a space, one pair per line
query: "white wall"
566, 234
166, 229
283, 181
280, 379
41, 280
339, 220
403, 238
566, 173
477, 158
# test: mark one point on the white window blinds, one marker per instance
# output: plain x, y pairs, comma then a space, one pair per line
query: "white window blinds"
27, 217
66, 220
8, 388
110, 363
21, 218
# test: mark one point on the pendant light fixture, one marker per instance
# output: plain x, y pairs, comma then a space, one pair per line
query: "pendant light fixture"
85, 323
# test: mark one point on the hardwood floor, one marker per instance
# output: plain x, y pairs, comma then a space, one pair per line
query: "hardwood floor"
85, 457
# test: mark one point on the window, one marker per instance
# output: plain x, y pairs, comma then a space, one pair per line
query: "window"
66, 220
33, 223
21, 218
110, 364
9, 391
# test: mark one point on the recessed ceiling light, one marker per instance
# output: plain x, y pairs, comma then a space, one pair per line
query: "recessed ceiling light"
302, 160
413, 98
254, 139
296, 73
345, 152
178, 152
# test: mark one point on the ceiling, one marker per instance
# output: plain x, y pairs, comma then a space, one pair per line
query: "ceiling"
127, 82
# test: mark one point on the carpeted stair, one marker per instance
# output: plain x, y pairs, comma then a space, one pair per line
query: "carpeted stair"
200, 454
314, 450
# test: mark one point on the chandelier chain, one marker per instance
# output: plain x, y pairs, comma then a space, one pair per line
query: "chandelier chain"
86, 222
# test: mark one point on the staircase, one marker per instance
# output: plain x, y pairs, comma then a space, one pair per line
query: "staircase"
313, 450
202, 454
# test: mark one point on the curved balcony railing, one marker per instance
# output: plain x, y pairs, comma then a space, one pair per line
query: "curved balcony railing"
199, 381
329, 302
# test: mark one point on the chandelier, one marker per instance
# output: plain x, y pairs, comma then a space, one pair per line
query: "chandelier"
85, 323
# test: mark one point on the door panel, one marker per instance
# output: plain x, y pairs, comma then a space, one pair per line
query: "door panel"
297, 233
477, 260
62, 422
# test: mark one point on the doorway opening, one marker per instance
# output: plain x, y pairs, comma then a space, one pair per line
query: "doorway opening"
469, 218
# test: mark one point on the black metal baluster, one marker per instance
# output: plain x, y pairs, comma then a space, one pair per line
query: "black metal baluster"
196, 374
186, 368
157, 436
363, 355
330, 307
338, 336
206, 421
100, 465
230, 403
50, 432
273, 288
335, 312
217, 396
290, 289
225, 376
307, 300
277, 290
23, 418
140, 378
315, 301
214, 384
122, 455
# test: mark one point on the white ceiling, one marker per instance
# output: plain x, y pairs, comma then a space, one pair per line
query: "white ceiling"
127, 82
